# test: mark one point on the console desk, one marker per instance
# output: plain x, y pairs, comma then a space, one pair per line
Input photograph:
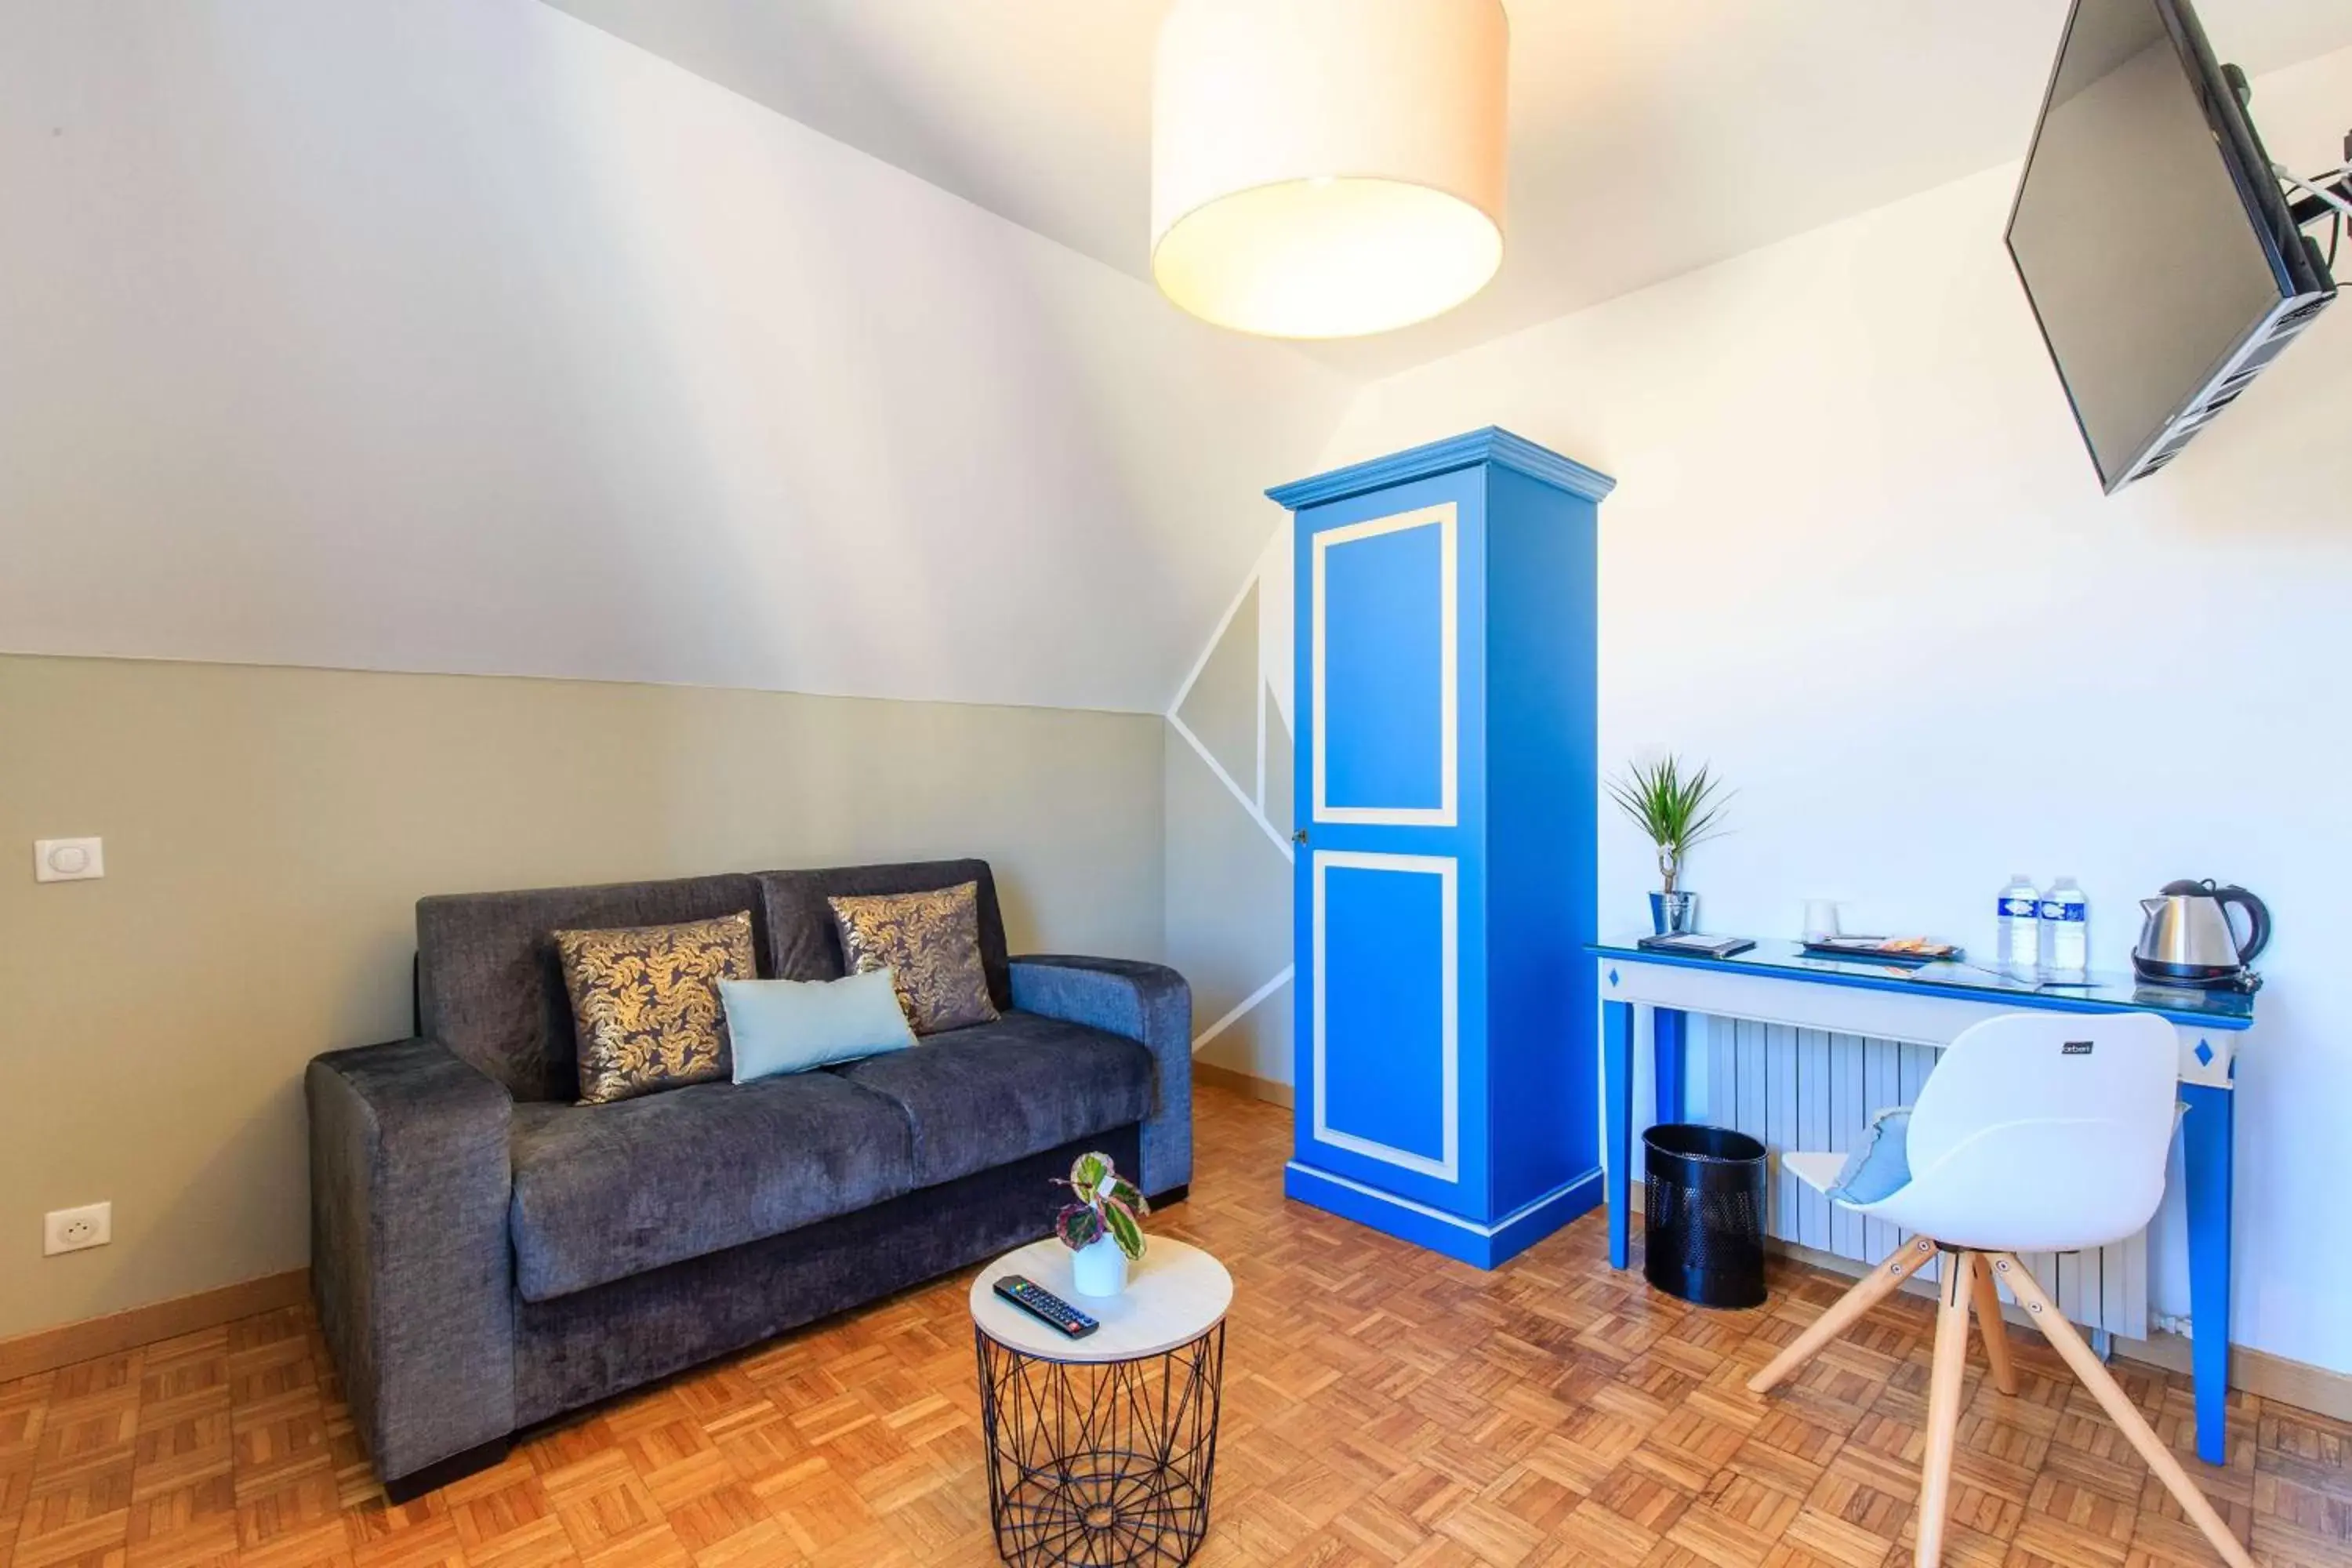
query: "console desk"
1777, 984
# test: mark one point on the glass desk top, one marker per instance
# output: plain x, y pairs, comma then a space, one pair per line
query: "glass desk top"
2105, 993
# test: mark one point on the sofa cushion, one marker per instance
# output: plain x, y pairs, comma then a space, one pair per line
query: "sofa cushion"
646, 1003
994, 1093
602, 1192
489, 985
794, 1025
930, 943
804, 942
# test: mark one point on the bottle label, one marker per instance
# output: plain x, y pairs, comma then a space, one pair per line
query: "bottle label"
2017, 909
2072, 910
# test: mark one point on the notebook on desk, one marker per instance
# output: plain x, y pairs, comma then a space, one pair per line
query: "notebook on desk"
1696, 946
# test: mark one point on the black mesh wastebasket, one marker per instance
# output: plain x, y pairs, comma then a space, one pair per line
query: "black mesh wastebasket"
1704, 1219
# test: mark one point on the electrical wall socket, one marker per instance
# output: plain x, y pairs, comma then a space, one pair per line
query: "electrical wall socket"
71, 1230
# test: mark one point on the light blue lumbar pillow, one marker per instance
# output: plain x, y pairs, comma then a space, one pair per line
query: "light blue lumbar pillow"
1878, 1165
791, 1025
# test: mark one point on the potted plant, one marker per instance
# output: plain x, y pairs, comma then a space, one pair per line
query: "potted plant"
1103, 1228
1677, 810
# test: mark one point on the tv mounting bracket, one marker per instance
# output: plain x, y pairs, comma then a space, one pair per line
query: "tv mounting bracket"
2323, 196
2330, 193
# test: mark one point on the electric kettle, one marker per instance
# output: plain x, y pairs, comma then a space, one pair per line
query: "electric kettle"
2187, 937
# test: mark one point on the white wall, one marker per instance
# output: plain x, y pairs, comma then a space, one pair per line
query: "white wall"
1858, 560
457, 335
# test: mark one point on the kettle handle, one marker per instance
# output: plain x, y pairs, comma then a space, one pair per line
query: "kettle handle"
2258, 917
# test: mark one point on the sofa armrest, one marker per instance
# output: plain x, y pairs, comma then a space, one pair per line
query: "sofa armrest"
410, 1173
1145, 1002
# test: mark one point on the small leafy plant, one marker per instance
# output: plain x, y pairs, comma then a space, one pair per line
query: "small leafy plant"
1675, 809
1107, 1204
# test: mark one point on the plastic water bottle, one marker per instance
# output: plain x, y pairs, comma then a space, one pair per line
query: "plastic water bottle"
2065, 932
2021, 928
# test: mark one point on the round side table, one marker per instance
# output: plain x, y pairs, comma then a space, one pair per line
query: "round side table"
1100, 1450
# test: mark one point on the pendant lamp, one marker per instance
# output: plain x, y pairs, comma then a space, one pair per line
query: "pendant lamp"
1328, 168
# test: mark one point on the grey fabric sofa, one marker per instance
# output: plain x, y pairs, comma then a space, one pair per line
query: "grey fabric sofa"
487, 1253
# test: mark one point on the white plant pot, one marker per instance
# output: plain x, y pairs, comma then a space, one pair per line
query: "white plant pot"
1098, 1268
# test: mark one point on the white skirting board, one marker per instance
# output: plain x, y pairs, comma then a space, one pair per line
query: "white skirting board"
1805, 1090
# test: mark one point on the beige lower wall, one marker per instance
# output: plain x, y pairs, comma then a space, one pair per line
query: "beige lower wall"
268, 830
1228, 928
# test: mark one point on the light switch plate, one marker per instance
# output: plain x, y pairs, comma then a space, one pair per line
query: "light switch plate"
68, 859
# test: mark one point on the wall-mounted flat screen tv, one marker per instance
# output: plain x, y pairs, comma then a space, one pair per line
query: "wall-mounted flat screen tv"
2152, 237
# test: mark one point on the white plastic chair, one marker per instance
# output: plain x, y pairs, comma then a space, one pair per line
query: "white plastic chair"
2036, 1133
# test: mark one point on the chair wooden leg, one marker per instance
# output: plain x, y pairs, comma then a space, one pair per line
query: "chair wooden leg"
1868, 1291
1950, 1365
1994, 1332
2118, 1406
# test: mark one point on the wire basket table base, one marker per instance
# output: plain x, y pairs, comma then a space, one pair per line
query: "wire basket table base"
1100, 1464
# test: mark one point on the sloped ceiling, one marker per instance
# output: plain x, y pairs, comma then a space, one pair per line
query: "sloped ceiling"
463, 335
457, 335
1649, 137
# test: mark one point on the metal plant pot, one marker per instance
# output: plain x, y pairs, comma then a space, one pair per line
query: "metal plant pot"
1674, 914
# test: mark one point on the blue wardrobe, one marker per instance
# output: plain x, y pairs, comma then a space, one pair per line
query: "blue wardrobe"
1448, 1073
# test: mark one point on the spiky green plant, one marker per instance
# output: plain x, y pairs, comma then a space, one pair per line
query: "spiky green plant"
1675, 809
1108, 1202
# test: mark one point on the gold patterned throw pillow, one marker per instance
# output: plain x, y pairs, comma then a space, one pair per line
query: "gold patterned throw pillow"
644, 1000
930, 945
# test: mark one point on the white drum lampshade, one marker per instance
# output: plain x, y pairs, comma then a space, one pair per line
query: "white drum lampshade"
1328, 168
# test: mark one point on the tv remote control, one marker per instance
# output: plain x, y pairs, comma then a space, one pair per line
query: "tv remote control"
1044, 1305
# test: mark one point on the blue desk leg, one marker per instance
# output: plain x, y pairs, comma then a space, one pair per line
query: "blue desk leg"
2207, 1140
1669, 1029
1617, 1110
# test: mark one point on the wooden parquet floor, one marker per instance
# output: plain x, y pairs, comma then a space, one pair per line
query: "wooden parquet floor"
1382, 1406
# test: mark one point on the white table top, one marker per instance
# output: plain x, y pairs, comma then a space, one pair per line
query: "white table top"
1174, 1295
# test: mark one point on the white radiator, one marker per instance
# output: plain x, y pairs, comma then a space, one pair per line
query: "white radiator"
1804, 1089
